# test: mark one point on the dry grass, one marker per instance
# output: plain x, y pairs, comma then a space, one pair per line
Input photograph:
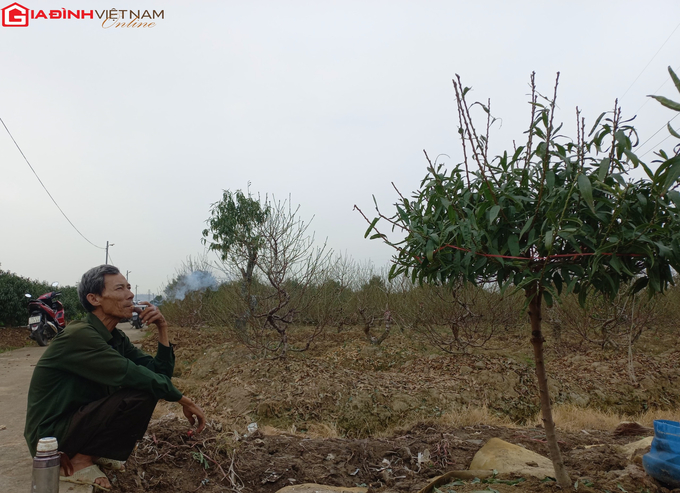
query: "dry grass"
322, 430
454, 418
573, 418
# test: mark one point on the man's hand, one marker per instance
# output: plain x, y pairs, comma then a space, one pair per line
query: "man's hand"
152, 315
193, 413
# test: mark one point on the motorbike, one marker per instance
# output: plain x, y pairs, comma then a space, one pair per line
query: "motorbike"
46, 316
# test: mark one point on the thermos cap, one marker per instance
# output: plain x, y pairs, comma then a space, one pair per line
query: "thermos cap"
47, 444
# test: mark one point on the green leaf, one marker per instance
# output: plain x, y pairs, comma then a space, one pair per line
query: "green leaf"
673, 132
481, 261
674, 195
550, 179
582, 295
642, 199
586, 190
667, 102
526, 226
630, 155
429, 250
597, 122
548, 298
639, 285
603, 169
672, 174
549, 239
622, 182
513, 245
676, 81
493, 213
373, 223
557, 280
664, 251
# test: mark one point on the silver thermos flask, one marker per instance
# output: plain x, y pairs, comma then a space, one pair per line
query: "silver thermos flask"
46, 467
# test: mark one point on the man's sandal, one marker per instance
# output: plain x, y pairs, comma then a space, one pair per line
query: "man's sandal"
113, 464
86, 476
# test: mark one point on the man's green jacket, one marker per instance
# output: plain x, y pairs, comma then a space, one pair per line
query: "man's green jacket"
86, 363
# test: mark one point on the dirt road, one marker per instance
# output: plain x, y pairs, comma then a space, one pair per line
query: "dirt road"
16, 368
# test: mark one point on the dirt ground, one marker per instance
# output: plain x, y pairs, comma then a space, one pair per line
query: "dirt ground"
266, 461
16, 368
351, 414
340, 414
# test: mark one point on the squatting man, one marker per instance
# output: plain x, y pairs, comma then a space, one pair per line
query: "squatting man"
93, 390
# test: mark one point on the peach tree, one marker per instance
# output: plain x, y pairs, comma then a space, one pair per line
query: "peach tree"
555, 215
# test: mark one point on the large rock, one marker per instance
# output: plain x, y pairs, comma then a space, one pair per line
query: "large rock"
320, 488
506, 457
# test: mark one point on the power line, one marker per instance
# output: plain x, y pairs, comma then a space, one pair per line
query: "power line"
650, 61
648, 99
46, 190
665, 125
664, 140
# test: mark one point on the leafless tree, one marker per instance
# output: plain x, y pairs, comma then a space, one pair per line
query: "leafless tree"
458, 318
288, 277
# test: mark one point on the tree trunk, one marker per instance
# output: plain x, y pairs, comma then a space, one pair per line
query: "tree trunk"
249, 300
535, 294
388, 325
631, 362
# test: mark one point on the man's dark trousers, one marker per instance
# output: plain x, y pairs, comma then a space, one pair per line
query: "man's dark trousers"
111, 426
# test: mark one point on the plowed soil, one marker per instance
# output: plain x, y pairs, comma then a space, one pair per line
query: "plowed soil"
169, 460
347, 413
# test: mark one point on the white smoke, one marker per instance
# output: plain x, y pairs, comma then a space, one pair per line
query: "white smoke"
198, 280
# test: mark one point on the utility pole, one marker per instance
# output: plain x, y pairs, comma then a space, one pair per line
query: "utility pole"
135, 291
107, 251
127, 275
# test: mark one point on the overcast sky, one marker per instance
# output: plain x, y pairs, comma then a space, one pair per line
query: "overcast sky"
136, 132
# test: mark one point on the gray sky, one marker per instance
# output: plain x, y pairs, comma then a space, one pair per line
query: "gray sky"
136, 132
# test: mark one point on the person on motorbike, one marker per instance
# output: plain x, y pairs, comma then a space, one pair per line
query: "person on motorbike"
93, 390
